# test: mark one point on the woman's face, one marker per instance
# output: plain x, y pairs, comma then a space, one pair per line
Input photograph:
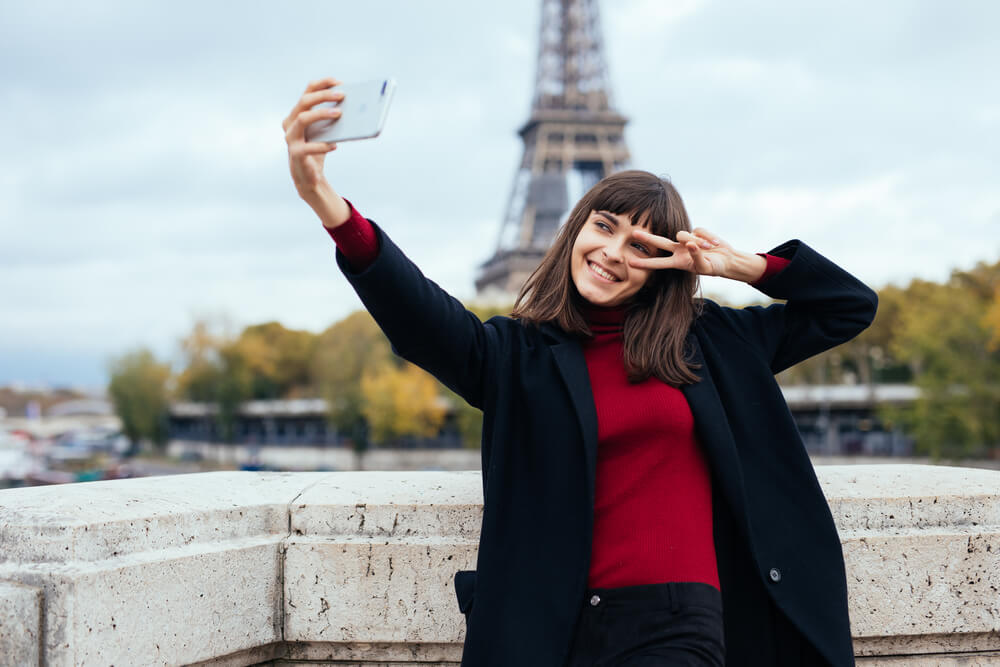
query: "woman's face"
599, 263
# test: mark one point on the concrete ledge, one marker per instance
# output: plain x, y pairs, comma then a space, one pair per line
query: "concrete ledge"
20, 622
241, 568
372, 556
922, 547
162, 570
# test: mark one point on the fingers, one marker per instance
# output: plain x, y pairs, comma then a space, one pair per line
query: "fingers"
699, 261
701, 232
701, 238
310, 148
661, 242
296, 130
316, 92
325, 82
309, 100
692, 251
704, 238
674, 262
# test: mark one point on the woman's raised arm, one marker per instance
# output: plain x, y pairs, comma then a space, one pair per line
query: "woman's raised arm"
826, 306
425, 324
305, 159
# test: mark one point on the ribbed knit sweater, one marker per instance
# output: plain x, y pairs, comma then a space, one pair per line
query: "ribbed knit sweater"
653, 495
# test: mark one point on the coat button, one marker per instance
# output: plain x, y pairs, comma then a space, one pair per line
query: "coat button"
595, 600
775, 574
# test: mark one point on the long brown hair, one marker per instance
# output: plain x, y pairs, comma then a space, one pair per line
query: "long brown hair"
658, 317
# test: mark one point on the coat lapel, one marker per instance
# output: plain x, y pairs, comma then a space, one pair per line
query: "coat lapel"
573, 367
716, 437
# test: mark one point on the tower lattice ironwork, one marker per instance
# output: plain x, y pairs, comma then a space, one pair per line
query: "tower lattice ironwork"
572, 139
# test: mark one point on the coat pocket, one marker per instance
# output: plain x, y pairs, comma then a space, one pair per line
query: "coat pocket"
465, 590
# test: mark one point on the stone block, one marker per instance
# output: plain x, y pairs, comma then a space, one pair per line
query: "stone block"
152, 571
20, 624
922, 550
357, 591
371, 561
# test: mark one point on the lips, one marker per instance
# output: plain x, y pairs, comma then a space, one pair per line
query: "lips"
602, 273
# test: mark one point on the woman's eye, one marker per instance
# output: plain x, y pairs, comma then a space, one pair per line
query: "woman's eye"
641, 248
603, 225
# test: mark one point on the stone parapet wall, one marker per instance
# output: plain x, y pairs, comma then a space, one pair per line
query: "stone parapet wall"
241, 568
923, 570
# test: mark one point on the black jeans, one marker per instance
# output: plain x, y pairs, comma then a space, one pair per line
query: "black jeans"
642, 626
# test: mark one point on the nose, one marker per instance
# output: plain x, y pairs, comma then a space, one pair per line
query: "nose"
614, 251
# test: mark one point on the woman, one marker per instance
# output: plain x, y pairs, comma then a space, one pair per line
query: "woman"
647, 498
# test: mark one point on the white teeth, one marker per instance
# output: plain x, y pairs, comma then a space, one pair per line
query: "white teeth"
602, 273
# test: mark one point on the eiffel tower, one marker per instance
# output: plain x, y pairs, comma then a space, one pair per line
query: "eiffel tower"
572, 139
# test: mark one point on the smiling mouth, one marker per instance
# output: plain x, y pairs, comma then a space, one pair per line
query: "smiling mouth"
601, 273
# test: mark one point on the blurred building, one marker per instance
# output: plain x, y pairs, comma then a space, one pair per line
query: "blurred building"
295, 422
835, 420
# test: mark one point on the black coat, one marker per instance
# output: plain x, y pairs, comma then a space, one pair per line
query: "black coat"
780, 562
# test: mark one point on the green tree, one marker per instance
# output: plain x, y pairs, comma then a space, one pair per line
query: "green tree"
202, 365
992, 321
343, 353
138, 390
945, 333
218, 370
867, 358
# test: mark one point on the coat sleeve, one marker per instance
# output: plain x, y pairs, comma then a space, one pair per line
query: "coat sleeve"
424, 324
825, 306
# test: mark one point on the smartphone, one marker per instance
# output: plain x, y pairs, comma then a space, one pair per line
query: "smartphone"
362, 112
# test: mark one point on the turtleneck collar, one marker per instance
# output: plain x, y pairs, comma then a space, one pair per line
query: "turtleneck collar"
603, 319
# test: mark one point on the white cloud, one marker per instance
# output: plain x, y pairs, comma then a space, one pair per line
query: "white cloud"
143, 177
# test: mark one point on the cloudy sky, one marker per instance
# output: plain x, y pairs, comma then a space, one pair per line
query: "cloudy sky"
143, 175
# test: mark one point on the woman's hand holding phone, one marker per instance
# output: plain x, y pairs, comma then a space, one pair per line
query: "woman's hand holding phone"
305, 158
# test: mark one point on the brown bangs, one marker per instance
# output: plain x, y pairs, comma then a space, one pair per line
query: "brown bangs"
647, 207
659, 316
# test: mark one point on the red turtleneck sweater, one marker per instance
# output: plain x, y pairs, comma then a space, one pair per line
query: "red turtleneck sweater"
653, 495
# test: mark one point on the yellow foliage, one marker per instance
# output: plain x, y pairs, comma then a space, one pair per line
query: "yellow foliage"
399, 401
278, 357
344, 352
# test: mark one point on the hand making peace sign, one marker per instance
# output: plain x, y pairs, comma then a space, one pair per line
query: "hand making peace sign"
700, 252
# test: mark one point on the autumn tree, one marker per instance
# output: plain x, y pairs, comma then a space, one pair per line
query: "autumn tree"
138, 390
401, 401
278, 360
343, 353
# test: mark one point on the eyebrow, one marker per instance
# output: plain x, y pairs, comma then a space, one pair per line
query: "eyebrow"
615, 220
610, 216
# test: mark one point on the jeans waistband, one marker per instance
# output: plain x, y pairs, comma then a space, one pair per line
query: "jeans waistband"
672, 594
